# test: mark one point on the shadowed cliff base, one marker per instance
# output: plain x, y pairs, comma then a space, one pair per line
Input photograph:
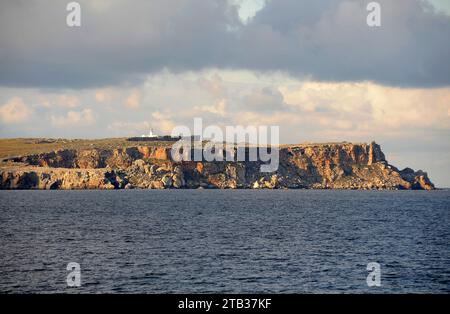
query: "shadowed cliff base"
122, 164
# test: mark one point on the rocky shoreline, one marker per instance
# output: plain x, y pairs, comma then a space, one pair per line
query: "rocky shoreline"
309, 166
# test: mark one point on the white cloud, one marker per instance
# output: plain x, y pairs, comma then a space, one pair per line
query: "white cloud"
129, 128
106, 94
44, 102
68, 101
218, 109
213, 85
100, 96
371, 105
15, 111
73, 118
412, 108
61, 100
162, 122
266, 98
248, 8
133, 101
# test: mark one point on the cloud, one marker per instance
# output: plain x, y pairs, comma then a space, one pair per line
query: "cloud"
68, 101
342, 110
218, 109
73, 118
15, 111
121, 128
370, 106
329, 40
119, 43
264, 99
102, 96
162, 122
213, 85
133, 101
62, 100
122, 42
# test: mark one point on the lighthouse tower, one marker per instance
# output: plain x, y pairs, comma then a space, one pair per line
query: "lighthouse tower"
150, 134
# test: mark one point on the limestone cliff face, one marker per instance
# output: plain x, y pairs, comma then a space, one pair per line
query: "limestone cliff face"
318, 166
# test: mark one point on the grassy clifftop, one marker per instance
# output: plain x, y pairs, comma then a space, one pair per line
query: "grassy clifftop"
28, 146
13, 147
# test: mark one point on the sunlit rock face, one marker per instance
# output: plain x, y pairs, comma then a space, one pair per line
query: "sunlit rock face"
313, 166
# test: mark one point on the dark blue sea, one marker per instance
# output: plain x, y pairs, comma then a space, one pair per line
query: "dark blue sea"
229, 241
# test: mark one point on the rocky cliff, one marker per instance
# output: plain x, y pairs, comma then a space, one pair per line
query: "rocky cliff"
316, 166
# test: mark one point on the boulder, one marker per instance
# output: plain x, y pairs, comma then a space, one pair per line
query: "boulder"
178, 181
167, 181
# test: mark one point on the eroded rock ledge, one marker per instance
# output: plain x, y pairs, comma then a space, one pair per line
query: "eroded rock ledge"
313, 166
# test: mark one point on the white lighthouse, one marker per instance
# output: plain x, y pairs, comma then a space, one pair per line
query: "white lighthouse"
150, 134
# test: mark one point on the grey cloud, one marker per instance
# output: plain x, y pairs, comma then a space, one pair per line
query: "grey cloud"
265, 99
334, 43
120, 42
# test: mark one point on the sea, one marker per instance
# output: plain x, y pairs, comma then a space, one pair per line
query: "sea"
225, 241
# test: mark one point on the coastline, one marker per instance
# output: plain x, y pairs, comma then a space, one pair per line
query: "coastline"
117, 164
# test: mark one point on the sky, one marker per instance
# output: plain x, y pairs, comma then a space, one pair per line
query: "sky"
314, 68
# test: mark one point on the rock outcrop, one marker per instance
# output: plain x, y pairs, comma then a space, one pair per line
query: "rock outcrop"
314, 166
